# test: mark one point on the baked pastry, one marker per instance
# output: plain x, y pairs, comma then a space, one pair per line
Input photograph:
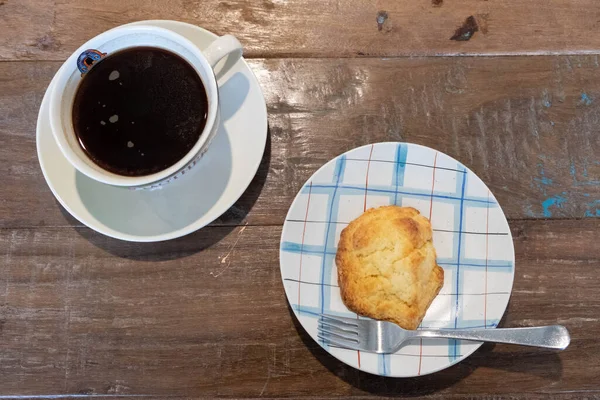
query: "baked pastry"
387, 265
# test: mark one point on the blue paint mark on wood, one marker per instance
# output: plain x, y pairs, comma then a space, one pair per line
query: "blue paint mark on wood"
585, 99
577, 182
554, 202
593, 209
542, 181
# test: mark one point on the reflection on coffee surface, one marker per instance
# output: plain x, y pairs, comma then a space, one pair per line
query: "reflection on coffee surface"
139, 111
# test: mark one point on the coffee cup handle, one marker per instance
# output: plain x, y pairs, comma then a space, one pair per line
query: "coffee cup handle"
222, 47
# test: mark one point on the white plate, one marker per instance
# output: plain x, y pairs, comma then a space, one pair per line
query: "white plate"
185, 205
470, 234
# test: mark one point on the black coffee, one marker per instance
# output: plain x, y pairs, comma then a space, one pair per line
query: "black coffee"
139, 111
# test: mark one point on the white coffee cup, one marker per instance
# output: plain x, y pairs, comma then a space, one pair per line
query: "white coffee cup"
69, 77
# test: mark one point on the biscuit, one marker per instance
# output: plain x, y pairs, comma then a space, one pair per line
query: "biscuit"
387, 266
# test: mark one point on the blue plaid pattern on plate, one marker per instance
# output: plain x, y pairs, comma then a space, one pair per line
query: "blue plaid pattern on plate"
470, 234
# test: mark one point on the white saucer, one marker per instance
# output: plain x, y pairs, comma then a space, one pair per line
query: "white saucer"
185, 205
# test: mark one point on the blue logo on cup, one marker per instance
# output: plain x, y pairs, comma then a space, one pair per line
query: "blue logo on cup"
87, 59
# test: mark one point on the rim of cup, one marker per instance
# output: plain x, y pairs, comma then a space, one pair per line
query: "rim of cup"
69, 68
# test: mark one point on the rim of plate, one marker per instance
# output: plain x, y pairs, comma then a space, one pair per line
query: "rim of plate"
283, 232
189, 228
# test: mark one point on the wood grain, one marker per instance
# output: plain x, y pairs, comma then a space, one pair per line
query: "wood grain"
527, 126
51, 30
206, 315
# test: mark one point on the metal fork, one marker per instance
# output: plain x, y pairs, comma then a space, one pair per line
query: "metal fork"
386, 337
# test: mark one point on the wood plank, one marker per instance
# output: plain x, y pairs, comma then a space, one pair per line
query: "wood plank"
527, 126
206, 315
51, 30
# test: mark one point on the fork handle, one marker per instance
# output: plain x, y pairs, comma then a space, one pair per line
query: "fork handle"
552, 337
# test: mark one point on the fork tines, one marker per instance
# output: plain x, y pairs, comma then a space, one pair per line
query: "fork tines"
338, 331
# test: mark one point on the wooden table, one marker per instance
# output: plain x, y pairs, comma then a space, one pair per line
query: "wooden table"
519, 103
